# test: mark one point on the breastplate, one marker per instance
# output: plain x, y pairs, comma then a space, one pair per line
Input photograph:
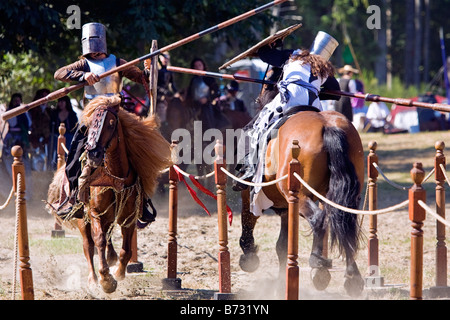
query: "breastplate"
109, 85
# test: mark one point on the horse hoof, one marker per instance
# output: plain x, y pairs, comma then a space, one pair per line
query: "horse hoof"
354, 286
109, 286
118, 275
249, 262
321, 278
317, 261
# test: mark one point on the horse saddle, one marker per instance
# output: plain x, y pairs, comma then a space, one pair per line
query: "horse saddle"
289, 113
272, 133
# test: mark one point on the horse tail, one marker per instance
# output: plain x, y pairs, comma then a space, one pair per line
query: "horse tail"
344, 189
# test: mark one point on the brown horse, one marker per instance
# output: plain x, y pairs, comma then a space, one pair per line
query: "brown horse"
332, 162
126, 155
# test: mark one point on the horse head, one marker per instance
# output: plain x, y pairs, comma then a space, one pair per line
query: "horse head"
102, 130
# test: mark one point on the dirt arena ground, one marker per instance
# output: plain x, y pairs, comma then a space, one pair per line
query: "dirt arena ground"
60, 270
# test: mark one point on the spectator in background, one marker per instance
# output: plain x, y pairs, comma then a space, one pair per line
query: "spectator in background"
347, 84
166, 84
18, 127
377, 116
201, 96
64, 113
232, 101
40, 131
18, 135
166, 91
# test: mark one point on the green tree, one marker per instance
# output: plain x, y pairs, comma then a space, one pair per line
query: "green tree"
40, 27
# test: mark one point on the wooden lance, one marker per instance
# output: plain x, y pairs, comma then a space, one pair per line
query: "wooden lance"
64, 91
218, 75
368, 97
398, 101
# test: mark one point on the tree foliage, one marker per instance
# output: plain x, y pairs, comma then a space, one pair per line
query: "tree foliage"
35, 32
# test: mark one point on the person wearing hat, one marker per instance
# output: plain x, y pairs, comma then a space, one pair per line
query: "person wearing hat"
94, 61
233, 102
347, 84
166, 84
305, 74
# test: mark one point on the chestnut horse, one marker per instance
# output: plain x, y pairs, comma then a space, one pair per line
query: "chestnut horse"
332, 162
126, 155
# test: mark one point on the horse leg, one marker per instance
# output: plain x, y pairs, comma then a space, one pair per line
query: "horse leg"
125, 252
320, 275
107, 281
111, 255
88, 249
249, 261
354, 283
281, 246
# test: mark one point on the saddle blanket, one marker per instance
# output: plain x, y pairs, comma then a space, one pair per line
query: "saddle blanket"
260, 201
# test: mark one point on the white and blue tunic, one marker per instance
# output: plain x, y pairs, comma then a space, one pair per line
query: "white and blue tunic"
298, 87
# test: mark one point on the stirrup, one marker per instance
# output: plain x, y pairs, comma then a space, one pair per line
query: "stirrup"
148, 214
75, 211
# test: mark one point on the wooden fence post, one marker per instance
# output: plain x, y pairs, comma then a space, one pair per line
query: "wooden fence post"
292, 269
224, 255
441, 289
58, 231
374, 279
417, 216
172, 282
26, 275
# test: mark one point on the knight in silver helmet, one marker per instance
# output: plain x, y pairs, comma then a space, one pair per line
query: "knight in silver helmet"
323, 45
95, 60
301, 76
93, 38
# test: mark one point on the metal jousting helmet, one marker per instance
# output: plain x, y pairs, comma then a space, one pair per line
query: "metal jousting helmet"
93, 38
324, 45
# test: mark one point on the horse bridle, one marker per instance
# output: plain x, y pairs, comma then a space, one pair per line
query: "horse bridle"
96, 127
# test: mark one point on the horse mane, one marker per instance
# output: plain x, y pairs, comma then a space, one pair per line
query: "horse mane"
89, 109
148, 151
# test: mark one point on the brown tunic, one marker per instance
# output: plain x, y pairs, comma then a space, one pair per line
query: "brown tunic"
77, 70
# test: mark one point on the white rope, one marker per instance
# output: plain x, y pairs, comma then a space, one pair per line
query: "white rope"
206, 175
429, 175
64, 148
353, 211
184, 173
434, 214
165, 170
445, 173
252, 184
395, 185
187, 175
8, 200
16, 235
